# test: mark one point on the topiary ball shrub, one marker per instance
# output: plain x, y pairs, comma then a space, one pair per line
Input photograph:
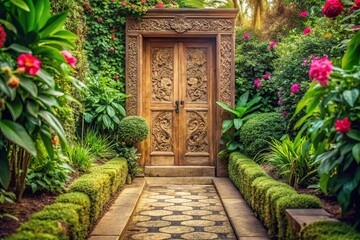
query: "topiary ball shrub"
257, 132
133, 129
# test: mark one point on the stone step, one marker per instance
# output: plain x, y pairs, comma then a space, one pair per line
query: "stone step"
179, 171
162, 181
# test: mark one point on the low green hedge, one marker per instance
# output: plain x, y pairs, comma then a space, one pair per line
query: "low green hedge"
268, 198
327, 230
74, 212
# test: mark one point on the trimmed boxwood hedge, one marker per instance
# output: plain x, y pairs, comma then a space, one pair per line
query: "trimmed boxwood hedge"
74, 212
268, 198
328, 230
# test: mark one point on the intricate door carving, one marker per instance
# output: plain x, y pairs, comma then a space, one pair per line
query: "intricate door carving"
178, 86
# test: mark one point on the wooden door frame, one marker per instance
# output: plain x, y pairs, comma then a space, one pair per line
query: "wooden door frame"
217, 24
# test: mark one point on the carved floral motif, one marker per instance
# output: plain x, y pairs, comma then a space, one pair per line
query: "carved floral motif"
162, 61
132, 79
197, 129
190, 25
196, 75
225, 73
161, 132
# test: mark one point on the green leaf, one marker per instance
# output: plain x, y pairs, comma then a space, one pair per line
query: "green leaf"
18, 135
4, 167
107, 121
8, 25
88, 117
54, 123
356, 152
351, 96
226, 125
21, 4
47, 78
65, 34
48, 145
54, 24
29, 86
354, 134
33, 108
110, 111
227, 108
238, 123
49, 101
243, 99
15, 108
351, 57
20, 49
100, 109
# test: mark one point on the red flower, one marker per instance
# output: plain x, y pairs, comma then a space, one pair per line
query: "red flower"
272, 45
112, 0
343, 126
332, 8
295, 88
55, 140
31, 64
113, 36
304, 14
112, 49
13, 82
70, 59
356, 5
99, 19
143, 1
2, 36
307, 31
160, 5
116, 78
320, 70
123, 3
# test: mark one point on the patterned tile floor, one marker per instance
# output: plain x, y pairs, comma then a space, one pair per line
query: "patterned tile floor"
179, 212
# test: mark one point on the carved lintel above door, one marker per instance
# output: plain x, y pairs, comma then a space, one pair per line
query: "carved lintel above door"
215, 25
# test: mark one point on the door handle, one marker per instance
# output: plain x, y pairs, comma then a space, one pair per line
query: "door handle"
182, 102
177, 106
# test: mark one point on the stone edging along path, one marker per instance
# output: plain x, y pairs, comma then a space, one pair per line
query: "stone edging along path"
154, 218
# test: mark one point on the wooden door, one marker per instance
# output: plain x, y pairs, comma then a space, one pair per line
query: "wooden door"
177, 100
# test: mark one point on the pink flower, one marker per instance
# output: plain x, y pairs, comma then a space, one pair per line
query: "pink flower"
99, 19
123, 3
113, 36
307, 31
284, 113
272, 45
175, 3
355, 6
70, 59
305, 63
257, 83
31, 64
143, 1
332, 8
2, 36
295, 88
320, 70
112, 49
356, 27
266, 76
160, 5
279, 102
247, 36
304, 14
132, 6
343, 126
112, 0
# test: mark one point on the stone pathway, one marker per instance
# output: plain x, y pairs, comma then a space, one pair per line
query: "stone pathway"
179, 212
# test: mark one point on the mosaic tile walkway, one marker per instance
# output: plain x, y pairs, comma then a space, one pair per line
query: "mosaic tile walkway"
179, 212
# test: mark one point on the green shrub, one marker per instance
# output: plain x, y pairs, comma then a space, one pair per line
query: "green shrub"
328, 230
133, 129
293, 201
132, 157
98, 145
52, 227
31, 236
80, 157
257, 132
68, 216
116, 169
97, 188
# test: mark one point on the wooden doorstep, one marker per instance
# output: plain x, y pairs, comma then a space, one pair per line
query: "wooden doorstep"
179, 171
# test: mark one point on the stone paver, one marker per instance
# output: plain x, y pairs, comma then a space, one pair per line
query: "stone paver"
179, 212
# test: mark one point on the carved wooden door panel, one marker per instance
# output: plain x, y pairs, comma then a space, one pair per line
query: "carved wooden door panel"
177, 102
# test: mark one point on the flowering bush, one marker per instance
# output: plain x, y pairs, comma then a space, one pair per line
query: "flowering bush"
332, 8
28, 92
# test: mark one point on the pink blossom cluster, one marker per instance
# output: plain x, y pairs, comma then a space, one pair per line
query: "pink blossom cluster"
257, 83
320, 70
295, 88
247, 36
272, 45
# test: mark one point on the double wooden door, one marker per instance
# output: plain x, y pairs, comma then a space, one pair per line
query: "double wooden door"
177, 100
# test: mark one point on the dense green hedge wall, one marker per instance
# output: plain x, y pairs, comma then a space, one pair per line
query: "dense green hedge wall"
256, 133
266, 196
78, 209
326, 230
